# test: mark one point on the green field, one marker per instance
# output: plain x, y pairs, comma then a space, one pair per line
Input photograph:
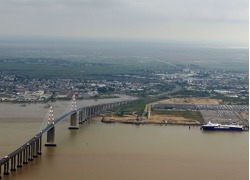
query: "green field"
192, 115
78, 69
96, 58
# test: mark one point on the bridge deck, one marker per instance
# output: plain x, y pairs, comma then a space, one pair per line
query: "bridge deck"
47, 128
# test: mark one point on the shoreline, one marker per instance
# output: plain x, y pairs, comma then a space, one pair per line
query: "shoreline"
157, 123
149, 123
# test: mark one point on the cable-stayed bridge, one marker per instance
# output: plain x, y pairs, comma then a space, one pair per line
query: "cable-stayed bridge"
33, 147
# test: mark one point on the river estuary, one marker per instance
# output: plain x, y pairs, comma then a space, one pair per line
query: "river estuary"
99, 151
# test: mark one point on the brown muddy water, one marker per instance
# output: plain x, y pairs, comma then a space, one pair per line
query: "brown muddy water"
121, 152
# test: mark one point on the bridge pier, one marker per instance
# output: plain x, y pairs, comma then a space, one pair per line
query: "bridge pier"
93, 111
39, 145
90, 112
84, 115
6, 168
27, 155
84, 112
98, 109
34, 145
87, 113
25, 160
80, 117
84, 118
19, 159
51, 137
13, 164
104, 108
30, 155
73, 121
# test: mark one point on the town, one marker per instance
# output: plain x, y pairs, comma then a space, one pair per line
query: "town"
184, 81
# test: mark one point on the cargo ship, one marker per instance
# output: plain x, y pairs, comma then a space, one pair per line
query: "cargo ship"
222, 127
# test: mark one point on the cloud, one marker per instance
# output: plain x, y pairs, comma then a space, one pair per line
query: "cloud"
161, 19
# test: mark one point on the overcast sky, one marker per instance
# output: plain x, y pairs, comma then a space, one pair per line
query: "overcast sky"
181, 20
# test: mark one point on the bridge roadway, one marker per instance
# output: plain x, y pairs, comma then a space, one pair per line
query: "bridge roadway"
32, 148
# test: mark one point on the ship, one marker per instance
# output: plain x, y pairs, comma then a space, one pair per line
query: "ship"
222, 127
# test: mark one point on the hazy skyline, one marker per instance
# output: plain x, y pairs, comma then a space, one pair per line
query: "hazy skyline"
224, 21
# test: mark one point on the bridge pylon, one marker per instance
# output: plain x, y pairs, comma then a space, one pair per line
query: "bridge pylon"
51, 131
73, 116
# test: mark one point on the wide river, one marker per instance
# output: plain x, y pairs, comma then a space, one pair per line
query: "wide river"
100, 151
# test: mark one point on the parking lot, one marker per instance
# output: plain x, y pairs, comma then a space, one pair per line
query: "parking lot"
223, 114
201, 107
